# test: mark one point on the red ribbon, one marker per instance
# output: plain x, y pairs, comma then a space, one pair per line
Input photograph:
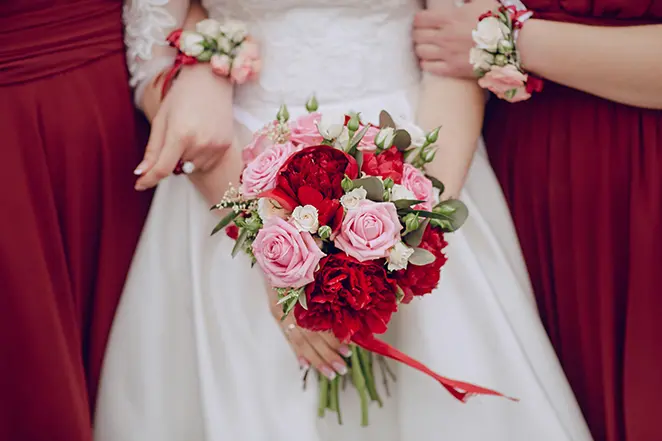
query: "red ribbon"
459, 389
181, 60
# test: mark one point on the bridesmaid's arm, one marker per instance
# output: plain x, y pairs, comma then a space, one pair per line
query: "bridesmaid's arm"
619, 64
457, 106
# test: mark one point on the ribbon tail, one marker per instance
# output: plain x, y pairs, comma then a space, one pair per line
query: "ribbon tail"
459, 389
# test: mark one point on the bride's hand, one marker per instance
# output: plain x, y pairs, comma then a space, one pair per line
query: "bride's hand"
442, 37
193, 123
319, 349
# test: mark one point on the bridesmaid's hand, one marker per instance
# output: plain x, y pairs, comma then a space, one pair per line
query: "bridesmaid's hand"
442, 37
193, 123
319, 349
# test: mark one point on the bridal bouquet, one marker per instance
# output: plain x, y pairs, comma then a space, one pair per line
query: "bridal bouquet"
343, 220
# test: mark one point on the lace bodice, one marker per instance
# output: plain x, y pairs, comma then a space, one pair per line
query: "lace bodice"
337, 49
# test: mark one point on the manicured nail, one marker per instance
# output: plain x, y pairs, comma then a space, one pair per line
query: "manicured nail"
303, 363
328, 373
345, 351
138, 172
341, 368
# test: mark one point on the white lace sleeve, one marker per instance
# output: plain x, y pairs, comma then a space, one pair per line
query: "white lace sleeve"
147, 25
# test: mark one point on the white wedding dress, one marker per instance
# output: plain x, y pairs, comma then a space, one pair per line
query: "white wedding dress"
195, 355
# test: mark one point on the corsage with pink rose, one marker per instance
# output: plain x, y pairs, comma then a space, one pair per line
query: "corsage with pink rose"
495, 59
347, 226
226, 46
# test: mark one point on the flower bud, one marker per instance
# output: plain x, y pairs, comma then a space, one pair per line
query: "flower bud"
500, 60
388, 183
324, 232
354, 123
505, 47
412, 222
384, 139
347, 184
432, 137
283, 115
205, 56
312, 105
429, 154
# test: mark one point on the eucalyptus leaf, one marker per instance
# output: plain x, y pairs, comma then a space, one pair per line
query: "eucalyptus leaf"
359, 158
436, 183
406, 203
225, 221
241, 240
454, 211
414, 238
373, 186
385, 120
421, 257
401, 140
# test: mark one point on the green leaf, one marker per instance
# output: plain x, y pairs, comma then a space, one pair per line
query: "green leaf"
436, 183
373, 186
414, 238
239, 244
385, 120
356, 139
399, 293
225, 221
289, 296
406, 203
303, 301
359, 158
421, 257
402, 140
454, 211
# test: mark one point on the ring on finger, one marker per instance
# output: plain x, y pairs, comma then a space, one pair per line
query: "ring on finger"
184, 167
289, 328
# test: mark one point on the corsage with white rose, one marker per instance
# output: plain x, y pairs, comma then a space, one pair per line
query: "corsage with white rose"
227, 47
495, 59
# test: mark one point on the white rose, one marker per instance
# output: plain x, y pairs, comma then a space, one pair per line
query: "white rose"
384, 139
480, 59
351, 200
209, 27
305, 218
267, 208
191, 43
417, 134
224, 44
399, 192
235, 30
488, 33
331, 126
399, 256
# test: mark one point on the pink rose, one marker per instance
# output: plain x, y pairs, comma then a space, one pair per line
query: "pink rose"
369, 231
416, 182
304, 131
367, 143
247, 64
220, 64
287, 257
506, 80
261, 141
260, 174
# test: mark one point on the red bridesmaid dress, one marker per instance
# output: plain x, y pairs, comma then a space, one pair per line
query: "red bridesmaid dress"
583, 177
69, 217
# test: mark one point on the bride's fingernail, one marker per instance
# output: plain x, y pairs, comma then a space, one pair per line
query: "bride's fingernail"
303, 363
345, 351
340, 368
138, 172
328, 373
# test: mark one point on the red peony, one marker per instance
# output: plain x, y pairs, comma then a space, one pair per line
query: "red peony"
313, 176
348, 297
421, 280
388, 164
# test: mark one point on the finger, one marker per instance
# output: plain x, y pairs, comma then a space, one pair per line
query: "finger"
426, 36
305, 350
170, 155
327, 353
335, 344
439, 68
429, 52
296, 340
432, 18
154, 146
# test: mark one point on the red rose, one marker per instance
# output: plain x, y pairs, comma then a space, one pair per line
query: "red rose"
232, 231
387, 164
348, 297
313, 176
420, 280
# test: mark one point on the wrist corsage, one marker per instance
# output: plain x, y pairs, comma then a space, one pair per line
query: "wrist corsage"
495, 58
227, 47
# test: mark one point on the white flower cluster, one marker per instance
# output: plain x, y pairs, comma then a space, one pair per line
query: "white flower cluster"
211, 37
